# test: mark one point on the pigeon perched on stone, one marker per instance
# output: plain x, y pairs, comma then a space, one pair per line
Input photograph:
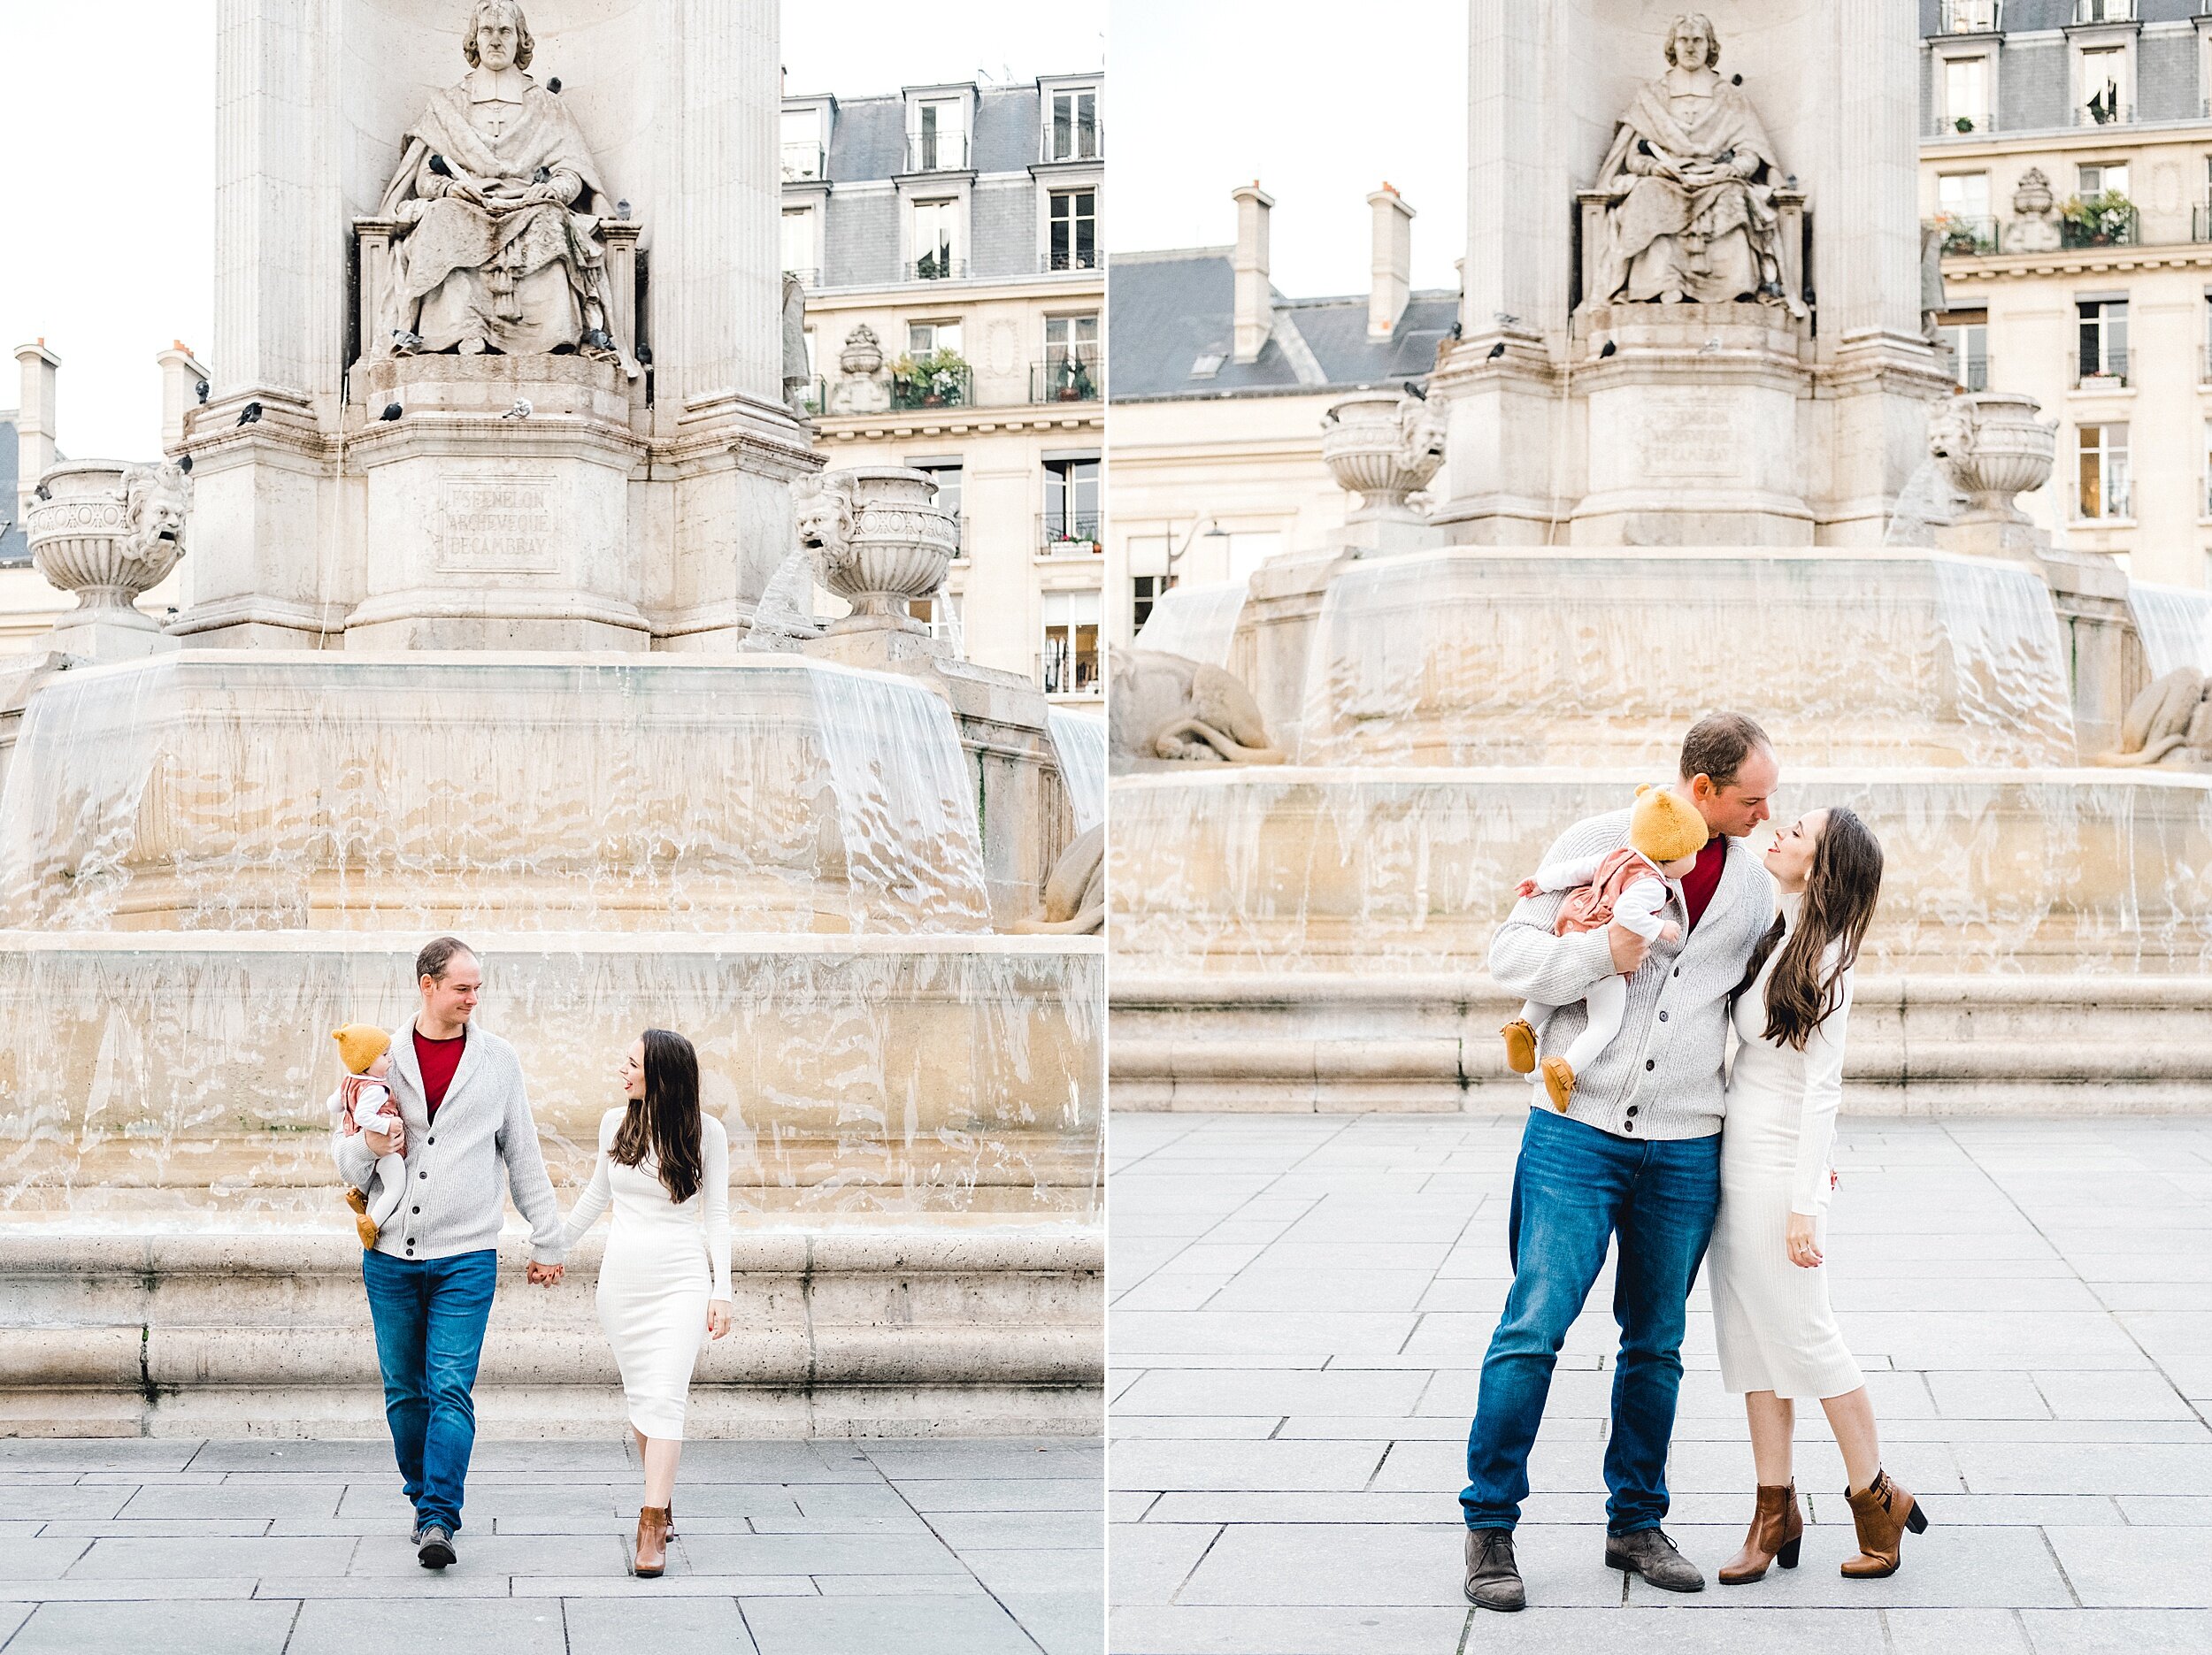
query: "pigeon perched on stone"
42, 492
622, 208
202, 389
521, 411
405, 341
184, 465
554, 84
438, 165
544, 175
599, 338
1611, 345
392, 410
1496, 351
250, 414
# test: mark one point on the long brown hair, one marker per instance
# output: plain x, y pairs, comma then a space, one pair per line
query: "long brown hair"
1841, 889
665, 1120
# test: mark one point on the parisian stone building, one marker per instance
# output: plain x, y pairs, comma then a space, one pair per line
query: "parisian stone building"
2066, 166
949, 240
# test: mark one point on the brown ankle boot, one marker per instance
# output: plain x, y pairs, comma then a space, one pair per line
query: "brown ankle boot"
1883, 1512
652, 1542
1776, 1528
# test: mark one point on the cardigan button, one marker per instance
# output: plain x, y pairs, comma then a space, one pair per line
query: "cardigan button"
1663, 1016
424, 1173
1649, 1062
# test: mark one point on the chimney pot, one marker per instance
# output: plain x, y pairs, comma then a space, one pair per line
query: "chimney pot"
1254, 297
1392, 267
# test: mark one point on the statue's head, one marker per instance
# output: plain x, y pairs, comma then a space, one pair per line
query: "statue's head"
498, 36
1690, 43
825, 513
156, 500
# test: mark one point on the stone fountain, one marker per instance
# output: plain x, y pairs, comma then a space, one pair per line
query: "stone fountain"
472, 553
1670, 467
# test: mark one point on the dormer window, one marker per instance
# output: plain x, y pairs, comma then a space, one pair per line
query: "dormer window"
2104, 11
938, 139
1071, 131
803, 160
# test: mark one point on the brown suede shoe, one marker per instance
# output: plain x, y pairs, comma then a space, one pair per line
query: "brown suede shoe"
652, 1543
1559, 1083
1882, 1513
1776, 1528
364, 1225
1520, 1047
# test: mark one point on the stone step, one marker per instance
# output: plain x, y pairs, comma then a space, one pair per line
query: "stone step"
1328, 1042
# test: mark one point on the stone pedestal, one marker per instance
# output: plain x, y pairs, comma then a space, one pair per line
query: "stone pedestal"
494, 532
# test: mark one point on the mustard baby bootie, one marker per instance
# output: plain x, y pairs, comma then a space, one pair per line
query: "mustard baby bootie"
1520, 1047
1559, 1082
362, 1222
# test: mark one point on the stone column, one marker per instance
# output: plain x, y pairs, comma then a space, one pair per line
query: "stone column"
39, 369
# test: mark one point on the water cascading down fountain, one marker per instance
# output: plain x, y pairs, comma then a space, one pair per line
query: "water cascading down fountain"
1662, 500
482, 664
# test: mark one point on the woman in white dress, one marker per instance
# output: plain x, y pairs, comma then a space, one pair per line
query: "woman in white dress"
665, 1278
1778, 1337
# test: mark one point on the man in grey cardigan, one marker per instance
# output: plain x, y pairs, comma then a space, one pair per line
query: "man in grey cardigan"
1637, 1154
464, 1117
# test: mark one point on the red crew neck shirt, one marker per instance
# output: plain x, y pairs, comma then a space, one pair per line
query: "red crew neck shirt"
1698, 885
438, 1059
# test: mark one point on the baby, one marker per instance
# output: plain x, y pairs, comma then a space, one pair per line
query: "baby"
366, 1103
1629, 888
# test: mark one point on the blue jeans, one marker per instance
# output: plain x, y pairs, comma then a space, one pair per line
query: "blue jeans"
430, 1315
1573, 1188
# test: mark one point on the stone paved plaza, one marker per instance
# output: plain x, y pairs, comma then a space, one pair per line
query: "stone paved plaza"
1302, 1304
785, 1548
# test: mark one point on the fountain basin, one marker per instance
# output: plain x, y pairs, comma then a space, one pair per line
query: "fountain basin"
176, 1077
303, 789
1352, 868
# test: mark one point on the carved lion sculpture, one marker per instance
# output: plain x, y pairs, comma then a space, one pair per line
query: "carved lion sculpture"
156, 500
1168, 709
1075, 891
2171, 723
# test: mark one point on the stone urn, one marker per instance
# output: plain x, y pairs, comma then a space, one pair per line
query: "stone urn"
880, 541
1991, 445
1382, 446
862, 356
110, 532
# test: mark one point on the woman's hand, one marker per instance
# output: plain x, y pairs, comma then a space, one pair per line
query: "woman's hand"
1804, 1253
718, 1318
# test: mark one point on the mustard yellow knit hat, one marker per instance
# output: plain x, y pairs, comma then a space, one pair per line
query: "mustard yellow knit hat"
360, 1045
1665, 826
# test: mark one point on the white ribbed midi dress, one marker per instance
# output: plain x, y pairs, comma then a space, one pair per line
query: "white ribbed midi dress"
1771, 1318
665, 1262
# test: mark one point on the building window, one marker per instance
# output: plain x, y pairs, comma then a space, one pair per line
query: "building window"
798, 244
1070, 517
1144, 591
1966, 93
1073, 236
2104, 11
1972, 17
936, 230
1072, 132
1069, 373
938, 140
2103, 76
1069, 662
2101, 177
1962, 213
947, 475
942, 615
2103, 329
2103, 485
1966, 333
802, 156
2204, 495
926, 339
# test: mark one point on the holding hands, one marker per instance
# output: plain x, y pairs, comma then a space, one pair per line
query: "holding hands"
544, 1274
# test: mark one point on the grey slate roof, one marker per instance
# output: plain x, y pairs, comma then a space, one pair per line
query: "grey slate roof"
2021, 15
1165, 310
868, 137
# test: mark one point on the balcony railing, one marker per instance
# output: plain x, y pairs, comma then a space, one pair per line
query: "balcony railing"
1070, 378
2103, 111
2109, 374
2114, 501
2104, 11
809, 277
936, 151
2201, 222
934, 387
1975, 126
1080, 142
803, 162
1069, 672
816, 402
935, 267
2116, 226
1964, 236
1973, 16
1067, 534
1078, 258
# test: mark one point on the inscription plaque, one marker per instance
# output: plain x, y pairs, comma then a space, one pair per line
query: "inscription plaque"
1688, 433
497, 523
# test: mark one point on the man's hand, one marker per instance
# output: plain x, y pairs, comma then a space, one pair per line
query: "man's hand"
543, 1275
383, 1144
1628, 949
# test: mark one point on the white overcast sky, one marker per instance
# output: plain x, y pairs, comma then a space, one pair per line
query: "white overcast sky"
109, 112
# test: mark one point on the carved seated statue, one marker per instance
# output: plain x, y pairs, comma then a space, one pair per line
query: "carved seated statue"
1075, 891
496, 204
1167, 710
2169, 723
1689, 180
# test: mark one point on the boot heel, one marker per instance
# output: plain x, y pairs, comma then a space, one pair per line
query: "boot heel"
1787, 1556
1916, 1519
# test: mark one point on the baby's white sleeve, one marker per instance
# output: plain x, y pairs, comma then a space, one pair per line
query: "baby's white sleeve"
1566, 875
1637, 908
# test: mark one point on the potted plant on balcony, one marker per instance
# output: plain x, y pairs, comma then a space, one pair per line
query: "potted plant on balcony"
1072, 380
2100, 221
1963, 123
938, 379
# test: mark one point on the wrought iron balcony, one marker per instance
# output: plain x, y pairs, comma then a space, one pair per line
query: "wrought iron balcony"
2106, 372
1081, 141
1077, 258
1973, 16
2113, 225
936, 152
816, 402
1063, 672
804, 163
1069, 534
2104, 112
935, 267
1965, 237
1974, 126
1070, 376
2104, 11
937, 387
